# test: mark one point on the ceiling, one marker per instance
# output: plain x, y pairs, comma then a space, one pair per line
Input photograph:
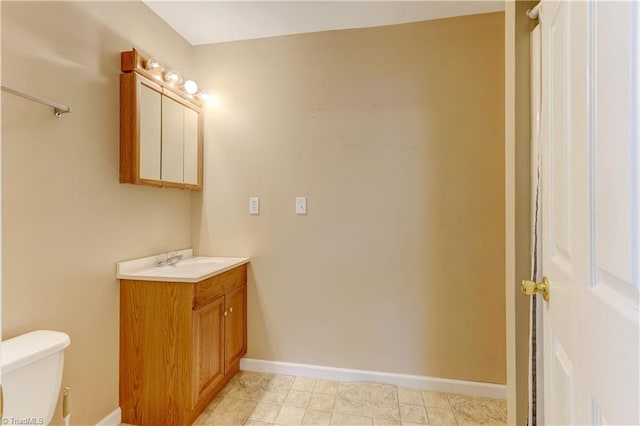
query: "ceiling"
203, 22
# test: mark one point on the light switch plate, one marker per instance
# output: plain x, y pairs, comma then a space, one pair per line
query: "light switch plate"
301, 205
254, 205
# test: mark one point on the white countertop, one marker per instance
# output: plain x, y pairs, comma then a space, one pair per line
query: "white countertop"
188, 270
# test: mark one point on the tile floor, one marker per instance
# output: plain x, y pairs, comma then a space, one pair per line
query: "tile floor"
266, 399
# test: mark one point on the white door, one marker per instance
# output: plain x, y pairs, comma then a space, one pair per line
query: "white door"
590, 223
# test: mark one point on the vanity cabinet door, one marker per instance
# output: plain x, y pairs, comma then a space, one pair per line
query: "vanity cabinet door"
208, 347
235, 325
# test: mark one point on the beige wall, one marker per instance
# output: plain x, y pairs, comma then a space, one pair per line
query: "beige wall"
396, 136
66, 219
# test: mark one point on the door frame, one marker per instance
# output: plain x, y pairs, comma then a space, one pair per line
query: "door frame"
517, 188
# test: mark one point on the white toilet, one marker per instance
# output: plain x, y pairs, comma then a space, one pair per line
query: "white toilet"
32, 374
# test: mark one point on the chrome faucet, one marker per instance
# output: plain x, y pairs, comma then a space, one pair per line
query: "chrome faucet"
172, 260
169, 259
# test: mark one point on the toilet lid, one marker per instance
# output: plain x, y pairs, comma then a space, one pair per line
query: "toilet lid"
29, 347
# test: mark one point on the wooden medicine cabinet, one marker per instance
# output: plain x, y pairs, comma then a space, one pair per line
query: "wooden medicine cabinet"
160, 129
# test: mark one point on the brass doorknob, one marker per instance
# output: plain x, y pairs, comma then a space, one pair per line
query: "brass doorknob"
529, 288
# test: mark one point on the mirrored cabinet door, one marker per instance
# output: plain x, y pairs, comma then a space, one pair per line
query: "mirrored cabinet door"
191, 154
150, 135
172, 140
140, 131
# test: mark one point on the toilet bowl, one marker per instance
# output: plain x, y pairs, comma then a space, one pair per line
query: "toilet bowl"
31, 376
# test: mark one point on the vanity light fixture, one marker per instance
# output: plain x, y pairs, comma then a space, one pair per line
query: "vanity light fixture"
156, 69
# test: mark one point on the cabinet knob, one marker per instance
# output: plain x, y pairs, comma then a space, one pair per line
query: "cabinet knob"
231, 309
225, 313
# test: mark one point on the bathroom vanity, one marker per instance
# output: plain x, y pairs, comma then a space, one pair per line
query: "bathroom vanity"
183, 330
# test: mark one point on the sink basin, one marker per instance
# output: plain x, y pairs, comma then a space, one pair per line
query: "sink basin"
190, 269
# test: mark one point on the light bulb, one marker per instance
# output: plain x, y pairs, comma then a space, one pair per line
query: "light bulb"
202, 96
153, 64
172, 76
190, 87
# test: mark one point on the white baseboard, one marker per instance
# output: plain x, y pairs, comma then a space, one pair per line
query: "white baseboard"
433, 384
112, 419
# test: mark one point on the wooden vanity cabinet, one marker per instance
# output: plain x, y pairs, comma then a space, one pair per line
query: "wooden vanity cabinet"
160, 130
180, 343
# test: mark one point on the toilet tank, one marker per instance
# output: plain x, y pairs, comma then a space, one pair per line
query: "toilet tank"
31, 375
